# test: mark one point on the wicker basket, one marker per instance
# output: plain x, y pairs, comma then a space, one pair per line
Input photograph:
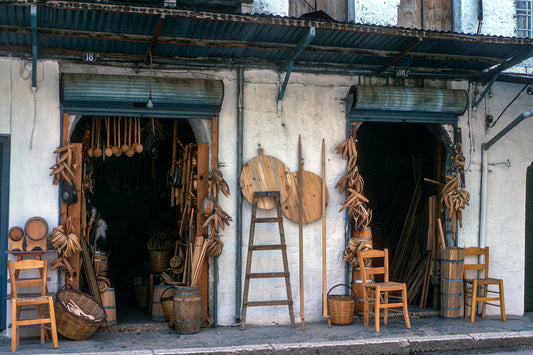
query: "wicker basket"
167, 303
76, 327
341, 307
159, 259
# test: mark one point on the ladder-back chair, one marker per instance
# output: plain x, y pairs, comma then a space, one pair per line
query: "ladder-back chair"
379, 294
476, 289
36, 302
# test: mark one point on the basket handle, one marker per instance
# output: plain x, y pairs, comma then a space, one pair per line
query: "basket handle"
163, 293
351, 289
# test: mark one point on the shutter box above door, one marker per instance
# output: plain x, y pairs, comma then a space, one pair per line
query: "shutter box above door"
400, 104
97, 94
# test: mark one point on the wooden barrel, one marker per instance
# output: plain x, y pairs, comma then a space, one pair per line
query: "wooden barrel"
451, 281
187, 309
100, 263
363, 236
108, 302
157, 310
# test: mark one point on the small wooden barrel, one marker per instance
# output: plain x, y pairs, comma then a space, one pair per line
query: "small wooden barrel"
157, 310
16, 238
187, 309
108, 302
363, 236
100, 263
451, 281
36, 229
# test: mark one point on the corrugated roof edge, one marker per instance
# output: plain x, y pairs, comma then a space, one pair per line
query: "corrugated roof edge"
276, 20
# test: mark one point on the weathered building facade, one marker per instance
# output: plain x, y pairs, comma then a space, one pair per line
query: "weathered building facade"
282, 78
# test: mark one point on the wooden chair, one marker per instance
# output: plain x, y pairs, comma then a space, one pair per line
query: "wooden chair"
378, 293
37, 302
476, 289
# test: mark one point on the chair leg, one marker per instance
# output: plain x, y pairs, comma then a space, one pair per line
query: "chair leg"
465, 298
386, 310
53, 328
485, 291
405, 310
377, 306
474, 301
41, 314
502, 302
14, 326
365, 307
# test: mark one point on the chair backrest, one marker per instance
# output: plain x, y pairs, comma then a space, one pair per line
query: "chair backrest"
480, 266
27, 264
368, 270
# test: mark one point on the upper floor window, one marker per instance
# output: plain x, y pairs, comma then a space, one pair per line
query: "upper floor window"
523, 18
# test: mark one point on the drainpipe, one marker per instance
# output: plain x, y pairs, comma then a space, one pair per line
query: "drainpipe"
238, 221
484, 171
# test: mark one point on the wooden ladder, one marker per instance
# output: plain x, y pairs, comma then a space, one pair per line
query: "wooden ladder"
264, 275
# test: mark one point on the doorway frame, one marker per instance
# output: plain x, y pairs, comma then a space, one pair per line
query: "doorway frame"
5, 147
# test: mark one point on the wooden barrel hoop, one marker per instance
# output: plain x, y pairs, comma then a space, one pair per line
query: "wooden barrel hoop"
451, 281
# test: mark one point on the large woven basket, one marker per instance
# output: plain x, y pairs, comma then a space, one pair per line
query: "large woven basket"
76, 327
341, 307
159, 259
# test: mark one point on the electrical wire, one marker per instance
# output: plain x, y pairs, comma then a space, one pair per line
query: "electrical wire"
509, 104
34, 118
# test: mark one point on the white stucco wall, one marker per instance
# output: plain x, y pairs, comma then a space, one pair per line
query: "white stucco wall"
376, 12
31, 192
271, 7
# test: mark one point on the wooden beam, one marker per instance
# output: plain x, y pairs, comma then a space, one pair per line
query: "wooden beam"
401, 55
148, 55
201, 193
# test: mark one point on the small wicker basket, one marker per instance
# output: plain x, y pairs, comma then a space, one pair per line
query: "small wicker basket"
167, 303
76, 327
341, 307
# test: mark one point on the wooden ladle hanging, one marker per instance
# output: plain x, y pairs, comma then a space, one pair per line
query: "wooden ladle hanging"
108, 150
134, 144
116, 149
97, 153
139, 147
125, 146
131, 151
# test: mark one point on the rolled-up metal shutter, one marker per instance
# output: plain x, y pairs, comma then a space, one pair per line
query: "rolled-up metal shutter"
96, 94
400, 104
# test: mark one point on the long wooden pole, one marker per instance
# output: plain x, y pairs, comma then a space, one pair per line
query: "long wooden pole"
324, 273
300, 229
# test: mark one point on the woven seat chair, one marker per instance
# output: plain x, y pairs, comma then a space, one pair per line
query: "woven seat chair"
20, 302
379, 294
476, 289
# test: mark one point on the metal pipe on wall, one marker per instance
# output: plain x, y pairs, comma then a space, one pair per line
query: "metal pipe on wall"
484, 171
238, 218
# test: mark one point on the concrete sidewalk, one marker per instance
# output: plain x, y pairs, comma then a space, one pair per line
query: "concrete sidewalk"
427, 334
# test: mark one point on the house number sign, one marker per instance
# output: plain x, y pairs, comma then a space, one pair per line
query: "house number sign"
90, 56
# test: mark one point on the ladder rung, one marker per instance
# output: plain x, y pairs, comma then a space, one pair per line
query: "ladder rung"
269, 303
267, 220
266, 275
266, 194
268, 247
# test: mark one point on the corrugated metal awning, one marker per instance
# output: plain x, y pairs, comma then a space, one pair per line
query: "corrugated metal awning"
403, 104
120, 33
125, 95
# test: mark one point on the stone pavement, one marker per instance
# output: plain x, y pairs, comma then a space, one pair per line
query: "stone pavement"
427, 334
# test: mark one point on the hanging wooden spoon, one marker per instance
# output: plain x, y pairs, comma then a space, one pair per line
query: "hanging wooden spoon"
108, 150
118, 150
139, 146
134, 144
130, 152
114, 147
97, 153
125, 146
90, 150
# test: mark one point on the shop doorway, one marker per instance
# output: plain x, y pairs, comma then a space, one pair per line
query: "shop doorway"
528, 293
394, 159
132, 196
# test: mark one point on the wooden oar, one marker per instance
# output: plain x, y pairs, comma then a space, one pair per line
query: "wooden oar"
300, 229
324, 274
